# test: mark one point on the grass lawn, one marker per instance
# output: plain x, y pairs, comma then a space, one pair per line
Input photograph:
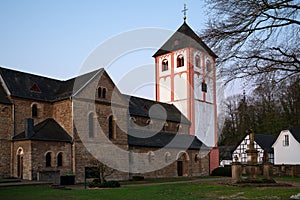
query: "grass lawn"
199, 190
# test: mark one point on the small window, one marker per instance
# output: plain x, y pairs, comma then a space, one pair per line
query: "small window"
59, 160
99, 92
180, 61
286, 141
208, 66
204, 87
164, 65
104, 93
197, 61
111, 128
48, 159
165, 128
91, 125
34, 110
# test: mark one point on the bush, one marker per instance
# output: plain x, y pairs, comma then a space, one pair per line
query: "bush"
138, 178
222, 171
107, 184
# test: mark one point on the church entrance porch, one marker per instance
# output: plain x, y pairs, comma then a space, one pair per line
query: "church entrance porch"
182, 164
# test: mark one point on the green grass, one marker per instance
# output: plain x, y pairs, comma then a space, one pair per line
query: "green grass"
162, 180
9, 180
201, 190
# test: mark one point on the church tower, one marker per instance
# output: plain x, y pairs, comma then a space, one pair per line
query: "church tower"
186, 77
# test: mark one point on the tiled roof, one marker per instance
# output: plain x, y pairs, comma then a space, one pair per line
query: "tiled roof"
30, 86
162, 139
3, 96
265, 141
141, 107
295, 130
47, 130
184, 37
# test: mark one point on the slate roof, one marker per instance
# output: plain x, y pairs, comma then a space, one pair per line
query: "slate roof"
47, 130
265, 141
295, 131
140, 107
185, 37
3, 96
144, 138
30, 86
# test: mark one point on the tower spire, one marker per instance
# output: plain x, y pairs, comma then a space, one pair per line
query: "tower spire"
184, 11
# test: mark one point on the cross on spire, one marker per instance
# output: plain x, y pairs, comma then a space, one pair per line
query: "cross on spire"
184, 12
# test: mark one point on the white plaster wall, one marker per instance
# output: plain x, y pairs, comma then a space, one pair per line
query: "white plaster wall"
180, 86
288, 155
210, 91
182, 106
198, 94
204, 123
165, 89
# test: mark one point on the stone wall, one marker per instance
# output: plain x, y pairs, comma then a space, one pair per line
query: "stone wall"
62, 113
5, 136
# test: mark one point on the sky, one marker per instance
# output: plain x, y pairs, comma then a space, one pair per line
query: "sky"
54, 38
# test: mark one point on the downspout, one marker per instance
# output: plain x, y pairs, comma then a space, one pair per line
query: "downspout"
12, 143
73, 140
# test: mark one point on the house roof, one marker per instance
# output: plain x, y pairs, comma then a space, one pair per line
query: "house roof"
149, 138
3, 96
47, 130
295, 131
30, 86
184, 37
141, 107
265, 141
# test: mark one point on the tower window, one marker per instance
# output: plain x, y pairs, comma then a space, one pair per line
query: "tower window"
101, 92
204, 87
164, 65
197, 61
208, 66
91, 125
180, 61
48, 159
34, 110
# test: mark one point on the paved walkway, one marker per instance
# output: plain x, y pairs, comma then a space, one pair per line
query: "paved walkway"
24, 182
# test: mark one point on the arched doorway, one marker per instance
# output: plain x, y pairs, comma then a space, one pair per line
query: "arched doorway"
182, 164
20, 154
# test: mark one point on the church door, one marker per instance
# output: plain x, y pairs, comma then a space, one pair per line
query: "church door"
179, 168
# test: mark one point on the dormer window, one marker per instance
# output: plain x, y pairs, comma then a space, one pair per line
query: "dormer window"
180, 61
286, 141
101, 92
35, 88
164, 65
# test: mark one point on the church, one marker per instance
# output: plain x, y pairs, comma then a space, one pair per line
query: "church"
52, 128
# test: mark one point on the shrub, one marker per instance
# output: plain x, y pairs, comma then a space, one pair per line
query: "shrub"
138, 178
222, 171
107, 184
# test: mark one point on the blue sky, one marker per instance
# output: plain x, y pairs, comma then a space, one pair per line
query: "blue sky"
54, 37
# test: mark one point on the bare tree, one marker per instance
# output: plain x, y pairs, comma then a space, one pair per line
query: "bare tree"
104, 171
255, 38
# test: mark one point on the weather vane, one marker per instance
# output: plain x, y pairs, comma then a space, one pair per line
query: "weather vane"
184, 11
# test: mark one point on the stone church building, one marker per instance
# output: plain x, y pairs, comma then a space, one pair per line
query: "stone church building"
55, 127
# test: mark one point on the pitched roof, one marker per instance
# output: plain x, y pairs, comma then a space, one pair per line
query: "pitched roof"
141, 107
47, 130
265, 141
225, 152
184, 37
295, 130
149, 138
3, 96
30, 86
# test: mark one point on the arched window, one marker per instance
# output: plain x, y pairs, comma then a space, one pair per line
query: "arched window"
164, 65
99, 92
165, 127
208, 66
104, 93
197, 61
91, 125
59, 160
111, 128
151, 156
34, 110
180, 61
48, 159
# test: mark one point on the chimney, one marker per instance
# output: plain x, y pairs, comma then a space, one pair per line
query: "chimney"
29, 123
